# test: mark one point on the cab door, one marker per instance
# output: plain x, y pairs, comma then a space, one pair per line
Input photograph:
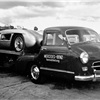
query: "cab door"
55, 53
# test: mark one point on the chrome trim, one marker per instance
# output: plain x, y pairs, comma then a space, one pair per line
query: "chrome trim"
87, 78
94, 66
84, 78
95, 62
57, 70
97, 76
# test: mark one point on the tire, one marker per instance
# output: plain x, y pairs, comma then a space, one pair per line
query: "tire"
35, 74
18, 43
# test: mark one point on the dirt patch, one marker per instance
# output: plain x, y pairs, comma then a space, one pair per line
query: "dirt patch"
17, 87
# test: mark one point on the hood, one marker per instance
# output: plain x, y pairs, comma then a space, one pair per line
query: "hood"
93, 49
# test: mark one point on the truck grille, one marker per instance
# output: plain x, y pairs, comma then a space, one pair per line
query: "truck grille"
96, 65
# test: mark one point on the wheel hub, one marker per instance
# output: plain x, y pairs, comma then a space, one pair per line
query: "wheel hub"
35, 72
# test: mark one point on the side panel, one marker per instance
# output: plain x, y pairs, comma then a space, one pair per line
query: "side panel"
22, 63
56, 60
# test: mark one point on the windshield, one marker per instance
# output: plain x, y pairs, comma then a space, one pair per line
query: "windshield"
82, 35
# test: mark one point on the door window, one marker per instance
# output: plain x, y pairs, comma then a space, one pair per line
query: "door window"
54, 39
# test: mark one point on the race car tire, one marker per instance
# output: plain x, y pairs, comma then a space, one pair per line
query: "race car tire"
18, 43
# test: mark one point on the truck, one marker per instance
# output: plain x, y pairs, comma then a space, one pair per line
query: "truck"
69, 52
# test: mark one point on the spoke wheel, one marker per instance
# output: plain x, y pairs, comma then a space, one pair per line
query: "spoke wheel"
18, 43
35, 72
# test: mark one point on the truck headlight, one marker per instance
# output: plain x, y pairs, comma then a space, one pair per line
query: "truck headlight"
84, 57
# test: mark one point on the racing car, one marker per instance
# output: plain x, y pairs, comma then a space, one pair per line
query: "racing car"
19, 40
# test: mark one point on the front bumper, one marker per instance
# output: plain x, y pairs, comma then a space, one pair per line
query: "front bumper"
87, 78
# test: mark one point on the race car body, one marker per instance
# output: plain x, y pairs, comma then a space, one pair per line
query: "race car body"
19, 39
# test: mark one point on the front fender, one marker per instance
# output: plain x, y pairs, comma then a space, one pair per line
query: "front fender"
74, 62
30, 40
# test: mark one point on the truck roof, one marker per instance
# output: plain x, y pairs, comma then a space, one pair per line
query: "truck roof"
62, 29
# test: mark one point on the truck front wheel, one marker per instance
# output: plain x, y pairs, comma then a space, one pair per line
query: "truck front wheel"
35, 74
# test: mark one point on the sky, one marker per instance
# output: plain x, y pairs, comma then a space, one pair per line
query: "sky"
47, 13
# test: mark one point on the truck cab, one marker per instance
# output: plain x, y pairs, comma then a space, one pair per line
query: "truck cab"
68, 52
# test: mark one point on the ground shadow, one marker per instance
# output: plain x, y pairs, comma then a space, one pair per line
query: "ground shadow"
61, 84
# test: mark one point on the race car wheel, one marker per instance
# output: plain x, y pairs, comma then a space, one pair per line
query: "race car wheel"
18, 43
35, 74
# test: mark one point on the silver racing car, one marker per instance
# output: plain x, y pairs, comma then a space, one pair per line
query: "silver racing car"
19, 39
